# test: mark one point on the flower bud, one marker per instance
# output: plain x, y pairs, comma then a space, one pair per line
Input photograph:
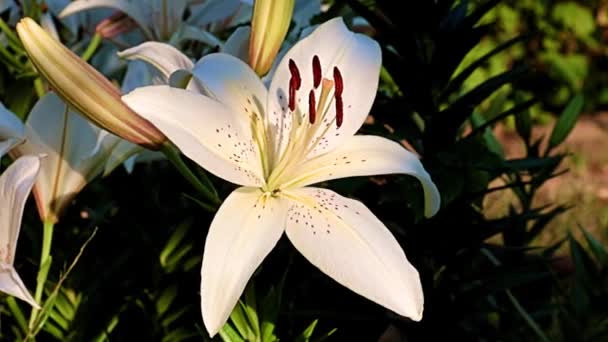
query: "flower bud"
115, 25
269, 25
84, 88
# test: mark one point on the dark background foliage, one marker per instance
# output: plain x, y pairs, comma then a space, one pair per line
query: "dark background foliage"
484, 279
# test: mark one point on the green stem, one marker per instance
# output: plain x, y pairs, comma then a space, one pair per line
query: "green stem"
93, 45
10, 35
39, 87
207, 190
43, 268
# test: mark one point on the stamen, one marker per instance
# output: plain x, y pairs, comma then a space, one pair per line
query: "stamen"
295, 74
292, 93
326, 86
339, 82
312, 108
316, 71
339, 110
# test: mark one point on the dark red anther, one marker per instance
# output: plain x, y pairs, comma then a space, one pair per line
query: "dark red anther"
339, 83
292, 94
312, 107
295, 74
339, 110
316, 71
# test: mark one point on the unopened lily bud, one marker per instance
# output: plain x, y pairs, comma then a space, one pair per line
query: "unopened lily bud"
269, 25
84, 88
114, 25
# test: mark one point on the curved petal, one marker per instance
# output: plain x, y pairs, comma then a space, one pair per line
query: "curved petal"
365, 155
133, 9
215, 137
12, 130
346, 241
11, 283
232, 82
357, 57
237, 44
72, 154
166, 16
245, 229
15, 186
164, 57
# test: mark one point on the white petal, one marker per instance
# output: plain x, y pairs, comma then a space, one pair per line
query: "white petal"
232, 82
189, 32
211, 134
72, 157
11, 283
133, 9
166, 16
164, 57
245, 229
12, 130
139, 74
346, 241
15, 186
121, 152
237, 44
366, 155
358, 58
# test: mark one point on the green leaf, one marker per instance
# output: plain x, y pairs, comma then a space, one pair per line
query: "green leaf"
228, 334
239, 319
462, 76
597, 248
566, 121
165, 299
176, 238
250, 308
523, 121
307, 333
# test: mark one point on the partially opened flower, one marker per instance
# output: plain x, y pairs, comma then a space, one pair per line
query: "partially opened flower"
277, 142
15, 185
75, 152
11, 130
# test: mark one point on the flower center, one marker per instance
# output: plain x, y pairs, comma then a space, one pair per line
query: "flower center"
306, 134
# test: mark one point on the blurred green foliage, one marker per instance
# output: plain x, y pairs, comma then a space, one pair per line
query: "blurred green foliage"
451, 71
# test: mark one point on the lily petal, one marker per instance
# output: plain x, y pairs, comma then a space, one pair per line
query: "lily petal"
132, 8
12, 130
358, 59
164, 57
166, 16
11, 283
73, 155
346, 241
237, 44
366, 155
232, 82
206, 131
15, 185
245, 229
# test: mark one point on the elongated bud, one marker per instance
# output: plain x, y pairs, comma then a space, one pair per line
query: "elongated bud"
269, 25
84, 88
114, 25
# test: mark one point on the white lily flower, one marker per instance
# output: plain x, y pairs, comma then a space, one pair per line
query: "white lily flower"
275, 143
12, 131
75, 152
15, 185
